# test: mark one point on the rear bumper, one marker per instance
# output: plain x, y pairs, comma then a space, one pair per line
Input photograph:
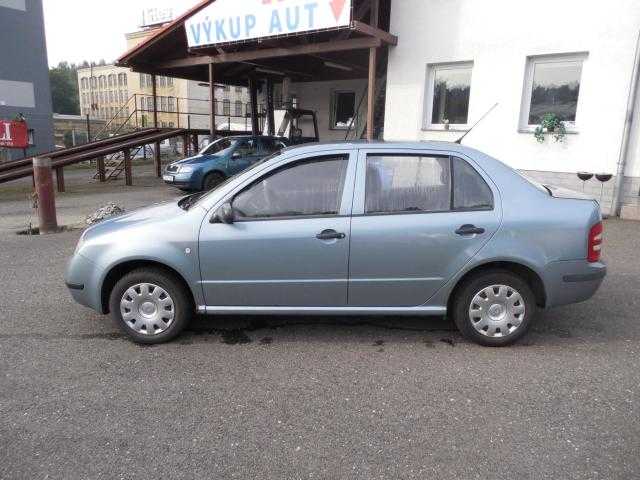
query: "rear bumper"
572, 281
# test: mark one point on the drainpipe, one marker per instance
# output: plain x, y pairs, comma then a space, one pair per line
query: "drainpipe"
616, 204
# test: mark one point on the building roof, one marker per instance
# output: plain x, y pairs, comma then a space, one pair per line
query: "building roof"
312, 56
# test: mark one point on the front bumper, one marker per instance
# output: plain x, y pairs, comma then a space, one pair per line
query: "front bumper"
81, 278
574, 281
184, 180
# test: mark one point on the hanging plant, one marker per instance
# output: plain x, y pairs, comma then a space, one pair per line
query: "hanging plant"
550, 124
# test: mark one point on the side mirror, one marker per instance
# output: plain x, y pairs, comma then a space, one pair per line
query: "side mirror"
224, 215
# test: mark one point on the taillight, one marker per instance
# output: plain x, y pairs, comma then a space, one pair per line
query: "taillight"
595, 243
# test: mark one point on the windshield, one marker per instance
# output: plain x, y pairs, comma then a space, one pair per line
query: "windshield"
219, 146
205, 195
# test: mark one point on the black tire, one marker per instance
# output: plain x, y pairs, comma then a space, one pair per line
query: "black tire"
182, 307
212, 180
461, 305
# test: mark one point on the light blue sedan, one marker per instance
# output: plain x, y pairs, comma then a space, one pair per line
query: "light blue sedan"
349, 228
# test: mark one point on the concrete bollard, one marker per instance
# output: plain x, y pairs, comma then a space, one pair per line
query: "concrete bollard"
43, 179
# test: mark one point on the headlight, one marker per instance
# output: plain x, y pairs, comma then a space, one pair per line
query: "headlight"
186, 169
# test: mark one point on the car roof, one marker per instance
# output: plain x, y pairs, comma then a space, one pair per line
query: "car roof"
401, 145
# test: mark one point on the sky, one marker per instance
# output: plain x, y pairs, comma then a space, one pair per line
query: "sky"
91, 30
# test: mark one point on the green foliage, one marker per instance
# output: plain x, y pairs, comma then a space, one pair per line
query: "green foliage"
64, 89
550, 124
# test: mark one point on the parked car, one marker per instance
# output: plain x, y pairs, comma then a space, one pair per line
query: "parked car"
220, 160
354, 228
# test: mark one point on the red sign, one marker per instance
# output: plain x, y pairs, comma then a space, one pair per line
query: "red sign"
14, 134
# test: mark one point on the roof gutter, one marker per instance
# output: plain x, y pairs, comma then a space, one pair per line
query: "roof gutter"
616, 204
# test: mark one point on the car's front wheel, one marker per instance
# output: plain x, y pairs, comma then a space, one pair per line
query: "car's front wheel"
150, 305
494, 308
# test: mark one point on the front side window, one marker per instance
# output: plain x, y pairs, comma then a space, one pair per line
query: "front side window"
407, 183
309, 188
271, 145
552, 86
343, 109
448, 93
219, 146
248, 148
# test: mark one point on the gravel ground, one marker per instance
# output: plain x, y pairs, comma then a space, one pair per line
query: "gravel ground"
325, 398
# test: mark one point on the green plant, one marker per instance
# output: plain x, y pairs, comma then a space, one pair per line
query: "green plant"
550, 124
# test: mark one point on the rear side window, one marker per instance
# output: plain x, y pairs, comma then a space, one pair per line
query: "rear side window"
470, 191
312, 187
407, 183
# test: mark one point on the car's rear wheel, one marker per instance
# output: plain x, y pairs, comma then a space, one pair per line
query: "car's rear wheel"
212, 180
150, 305
494, 308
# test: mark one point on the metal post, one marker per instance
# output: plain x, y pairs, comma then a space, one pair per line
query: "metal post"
178, 112
185, 145
60, 178
43, 179
371, 93
154, 87
270, 114
157, 163
196, 146
212, 104
128, 177
253, 87
101, 171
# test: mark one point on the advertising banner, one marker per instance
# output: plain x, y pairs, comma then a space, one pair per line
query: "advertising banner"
14, 134
226, 21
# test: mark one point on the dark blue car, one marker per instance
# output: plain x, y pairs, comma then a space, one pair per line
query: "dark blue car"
220, 160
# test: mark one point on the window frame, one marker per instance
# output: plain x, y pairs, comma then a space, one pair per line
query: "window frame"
429, 92
345, 204
527, 90
333, 109
359, 198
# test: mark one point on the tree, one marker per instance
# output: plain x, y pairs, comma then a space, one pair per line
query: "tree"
64, 89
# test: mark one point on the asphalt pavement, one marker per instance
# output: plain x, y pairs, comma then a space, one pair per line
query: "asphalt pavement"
323, 398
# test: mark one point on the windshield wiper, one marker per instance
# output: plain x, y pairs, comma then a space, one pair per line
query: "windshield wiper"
186, 202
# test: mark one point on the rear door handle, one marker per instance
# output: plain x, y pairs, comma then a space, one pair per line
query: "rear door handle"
330, 235
469, 230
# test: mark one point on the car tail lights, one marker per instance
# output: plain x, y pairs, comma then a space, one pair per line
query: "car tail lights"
595, 243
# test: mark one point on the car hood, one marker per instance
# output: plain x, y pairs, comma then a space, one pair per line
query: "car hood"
142, 216
197, 159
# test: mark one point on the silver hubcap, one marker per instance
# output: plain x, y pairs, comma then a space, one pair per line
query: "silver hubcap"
497, 311
147, 309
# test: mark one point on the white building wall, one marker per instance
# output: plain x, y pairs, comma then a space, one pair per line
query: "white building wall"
498, 35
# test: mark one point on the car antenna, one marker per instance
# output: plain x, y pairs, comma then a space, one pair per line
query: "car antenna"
459, 141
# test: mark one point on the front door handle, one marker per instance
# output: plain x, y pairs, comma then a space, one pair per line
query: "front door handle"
469, 230
330, 235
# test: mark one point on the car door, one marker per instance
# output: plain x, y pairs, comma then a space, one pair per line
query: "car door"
412, 227
289, 243
246, 153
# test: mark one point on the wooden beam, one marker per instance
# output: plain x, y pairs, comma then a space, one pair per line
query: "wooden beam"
154, 89
128, 177
157, 161
375, 13
270, 112
265, 53
253, 90
371, 93
101, 169
212, 104
60, 178
370, 31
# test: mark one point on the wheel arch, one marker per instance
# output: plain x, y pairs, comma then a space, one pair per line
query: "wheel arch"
211, 172
523, 271
116, 272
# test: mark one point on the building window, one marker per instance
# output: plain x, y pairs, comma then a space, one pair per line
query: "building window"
162, 82
143, 103
238, 112
169, 82
239, 90
94, 82
226, 107
343, 109
171, 104
552, 85
448, 90
163, 104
